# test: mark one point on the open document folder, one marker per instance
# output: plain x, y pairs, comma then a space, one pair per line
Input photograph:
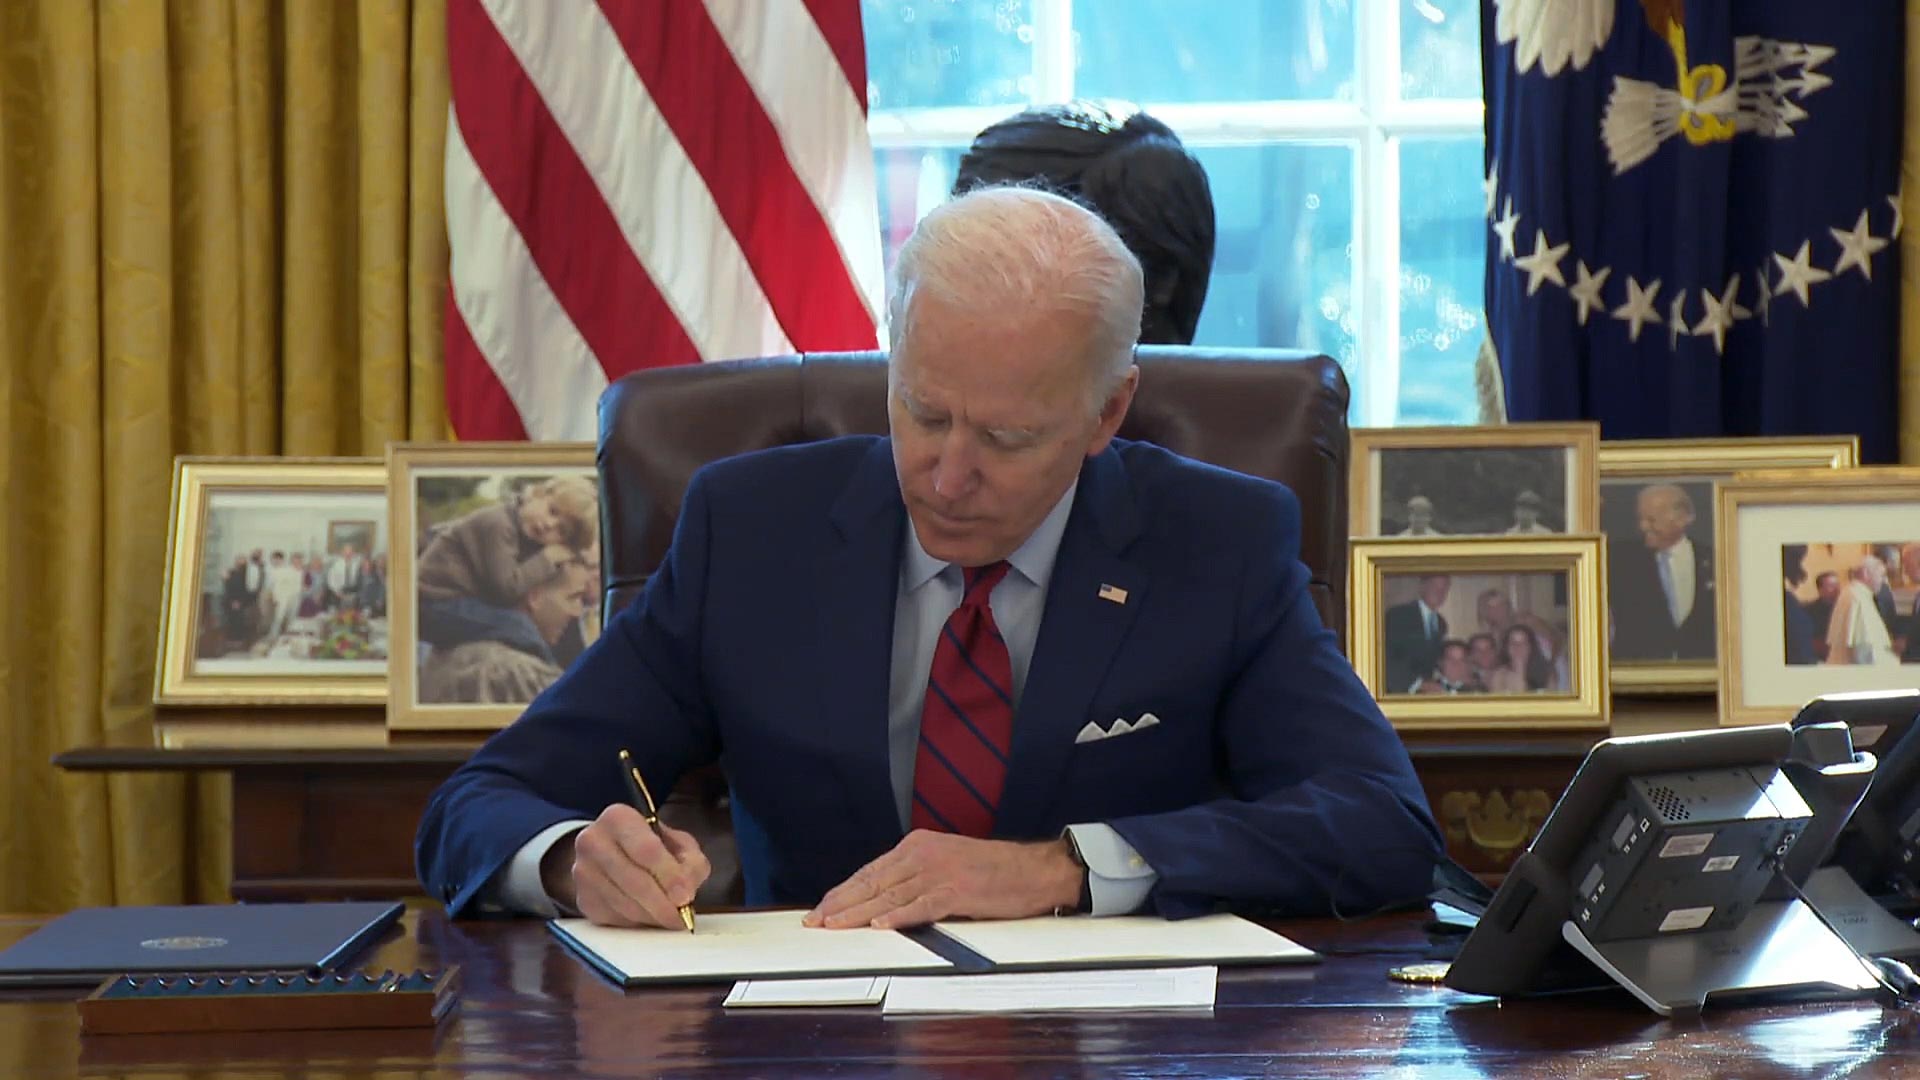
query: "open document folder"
755, 944
774, 944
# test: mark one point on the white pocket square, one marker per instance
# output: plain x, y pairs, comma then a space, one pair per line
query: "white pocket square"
1092, 732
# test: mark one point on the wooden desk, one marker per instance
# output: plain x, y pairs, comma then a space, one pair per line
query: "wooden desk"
530, 1009
339, 824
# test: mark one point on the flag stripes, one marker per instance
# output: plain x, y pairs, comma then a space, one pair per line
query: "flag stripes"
635, 183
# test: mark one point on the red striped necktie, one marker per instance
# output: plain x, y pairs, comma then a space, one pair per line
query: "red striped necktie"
966, 726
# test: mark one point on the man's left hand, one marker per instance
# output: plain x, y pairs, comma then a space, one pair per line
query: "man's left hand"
933, 875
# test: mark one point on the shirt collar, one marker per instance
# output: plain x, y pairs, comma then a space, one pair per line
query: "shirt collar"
1682, 550
1033, 559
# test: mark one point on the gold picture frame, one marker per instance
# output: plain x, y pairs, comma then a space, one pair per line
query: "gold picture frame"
1838, 519
1440, 466
1510, 566
473, 649
1697, 467
252, 638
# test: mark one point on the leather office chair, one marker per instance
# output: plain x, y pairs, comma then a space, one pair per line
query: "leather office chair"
1279, 414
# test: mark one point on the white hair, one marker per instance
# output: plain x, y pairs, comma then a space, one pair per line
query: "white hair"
1007, 248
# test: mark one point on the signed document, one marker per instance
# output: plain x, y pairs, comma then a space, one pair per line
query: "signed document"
754, 944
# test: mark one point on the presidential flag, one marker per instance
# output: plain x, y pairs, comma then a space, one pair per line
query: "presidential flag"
635, 183
1692, 210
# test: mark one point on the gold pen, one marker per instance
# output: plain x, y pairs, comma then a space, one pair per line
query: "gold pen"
643, 802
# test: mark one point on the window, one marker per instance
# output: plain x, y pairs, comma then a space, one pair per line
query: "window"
1342, 139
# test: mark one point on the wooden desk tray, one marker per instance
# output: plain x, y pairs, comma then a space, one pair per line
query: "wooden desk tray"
268, 1001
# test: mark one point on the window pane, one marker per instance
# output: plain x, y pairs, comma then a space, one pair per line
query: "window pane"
1220, 50
1283, 258
911, 180
1440, 49
1443, 253
926, 53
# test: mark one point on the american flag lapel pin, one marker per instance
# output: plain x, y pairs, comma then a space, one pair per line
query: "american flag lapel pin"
1113, 593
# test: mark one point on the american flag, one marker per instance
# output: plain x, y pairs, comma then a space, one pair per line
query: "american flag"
636, 183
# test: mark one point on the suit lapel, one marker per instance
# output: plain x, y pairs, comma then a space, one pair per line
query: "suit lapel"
855, 596
1092, 599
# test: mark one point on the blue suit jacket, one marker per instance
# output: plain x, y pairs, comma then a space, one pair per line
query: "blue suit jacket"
1272, 782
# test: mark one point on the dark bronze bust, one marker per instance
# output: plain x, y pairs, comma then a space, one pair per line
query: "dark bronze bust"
1133, 171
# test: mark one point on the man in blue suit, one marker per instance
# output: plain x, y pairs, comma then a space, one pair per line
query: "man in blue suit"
996, 665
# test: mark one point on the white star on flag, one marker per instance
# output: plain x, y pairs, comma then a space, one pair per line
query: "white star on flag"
1504, 230
1491, 185
1797, 273
1899, 216
1721, 311
1638, 310
1676, 324
1857, 248
1585, 289
1543, 264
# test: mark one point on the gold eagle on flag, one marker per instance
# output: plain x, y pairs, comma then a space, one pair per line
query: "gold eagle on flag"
1763, 96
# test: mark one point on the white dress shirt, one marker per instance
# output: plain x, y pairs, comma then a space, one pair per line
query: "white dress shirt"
1680, 575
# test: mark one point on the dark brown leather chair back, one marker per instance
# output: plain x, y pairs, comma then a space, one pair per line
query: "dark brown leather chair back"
1271, 413
1278, 414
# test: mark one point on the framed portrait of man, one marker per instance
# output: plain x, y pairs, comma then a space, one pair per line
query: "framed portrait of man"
1486, 632
1509, 480
257, 608
1657, 509
497, 586
1819, 587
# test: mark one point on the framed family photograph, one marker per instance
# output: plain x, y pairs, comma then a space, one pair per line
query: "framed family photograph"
276, 583
1819, 588
1657, 510
496, 580
1481, 633
1509, 480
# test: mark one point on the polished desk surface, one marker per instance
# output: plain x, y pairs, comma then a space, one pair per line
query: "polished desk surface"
529, 1008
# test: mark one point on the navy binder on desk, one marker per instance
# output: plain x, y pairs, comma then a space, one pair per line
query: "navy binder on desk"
89, 945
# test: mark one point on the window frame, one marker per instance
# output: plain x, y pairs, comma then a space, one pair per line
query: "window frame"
1372, 125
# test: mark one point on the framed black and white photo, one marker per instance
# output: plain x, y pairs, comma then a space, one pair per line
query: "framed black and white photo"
1510, 480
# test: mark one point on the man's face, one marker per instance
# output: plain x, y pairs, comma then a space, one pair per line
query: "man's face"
1875, 573
990, 421
1494, 609
1662, 520
1526, 515
1484, 654
1453, 664
555, 605
1419, 516
1829, 586
1434, 590
346, 551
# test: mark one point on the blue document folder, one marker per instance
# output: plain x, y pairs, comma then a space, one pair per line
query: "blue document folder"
89, 945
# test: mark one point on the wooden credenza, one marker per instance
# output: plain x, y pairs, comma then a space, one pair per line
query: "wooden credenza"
339, 823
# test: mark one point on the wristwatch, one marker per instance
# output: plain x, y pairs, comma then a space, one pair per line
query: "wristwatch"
1085, 905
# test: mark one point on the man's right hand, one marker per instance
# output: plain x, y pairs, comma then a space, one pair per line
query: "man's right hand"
618, 872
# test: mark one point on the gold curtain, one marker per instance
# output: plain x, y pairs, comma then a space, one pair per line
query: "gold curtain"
223, 234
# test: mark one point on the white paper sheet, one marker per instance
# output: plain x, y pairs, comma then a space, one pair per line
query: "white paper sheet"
755, 993
1123, 939
1137, 990
758, 943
